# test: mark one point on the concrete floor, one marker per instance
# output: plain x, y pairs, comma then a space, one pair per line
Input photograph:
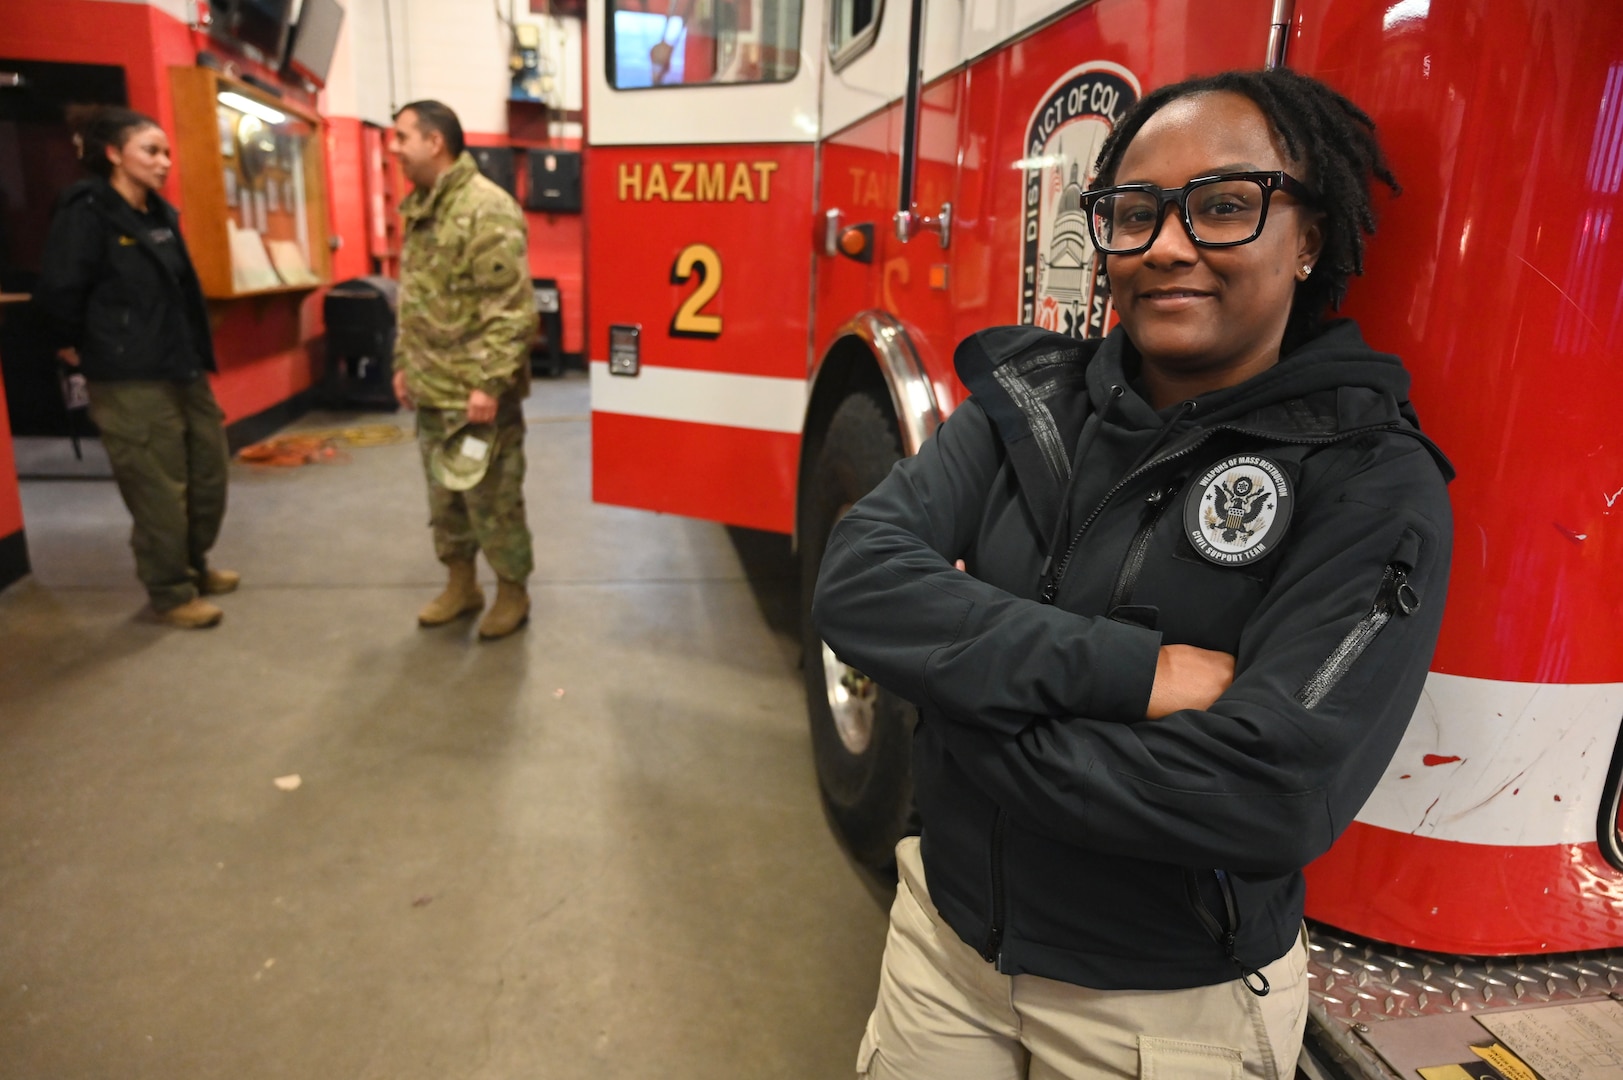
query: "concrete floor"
592, 850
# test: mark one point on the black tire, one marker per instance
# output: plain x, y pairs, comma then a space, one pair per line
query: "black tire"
867, 790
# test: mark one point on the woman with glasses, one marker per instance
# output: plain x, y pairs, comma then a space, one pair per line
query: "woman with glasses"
1166, 602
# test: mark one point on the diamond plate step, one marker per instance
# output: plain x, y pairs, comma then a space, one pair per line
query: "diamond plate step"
1355, 985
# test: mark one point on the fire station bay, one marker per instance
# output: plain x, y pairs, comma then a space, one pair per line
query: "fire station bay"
425, 424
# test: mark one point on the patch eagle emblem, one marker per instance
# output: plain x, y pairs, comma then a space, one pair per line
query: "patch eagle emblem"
1237, 511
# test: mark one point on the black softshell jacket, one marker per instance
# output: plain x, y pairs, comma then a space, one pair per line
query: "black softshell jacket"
1064, 834
108, 293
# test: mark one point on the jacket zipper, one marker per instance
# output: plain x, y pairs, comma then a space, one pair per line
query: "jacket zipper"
1395, 596
1051, 590
1226, 933
993, 951
1155, 507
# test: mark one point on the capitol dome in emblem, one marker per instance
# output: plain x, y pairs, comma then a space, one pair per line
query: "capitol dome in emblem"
1061, 287
1070, 254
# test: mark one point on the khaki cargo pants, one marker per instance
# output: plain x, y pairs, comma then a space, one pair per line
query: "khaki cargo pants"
166, 442
946, 1014
490, 516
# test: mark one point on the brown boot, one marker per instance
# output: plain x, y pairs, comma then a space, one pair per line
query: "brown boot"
510, 611
219, 582
462, 596
194, 614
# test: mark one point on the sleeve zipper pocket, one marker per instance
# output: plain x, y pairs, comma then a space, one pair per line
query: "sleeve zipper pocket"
1395, 596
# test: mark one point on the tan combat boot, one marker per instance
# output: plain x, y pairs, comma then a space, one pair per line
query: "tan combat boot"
194, 614
510, 611
219, 582
462, 596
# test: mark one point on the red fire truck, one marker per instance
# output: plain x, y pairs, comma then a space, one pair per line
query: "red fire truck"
797, 207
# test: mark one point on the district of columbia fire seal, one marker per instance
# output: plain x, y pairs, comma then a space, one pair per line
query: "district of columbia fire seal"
1061, 276
1237, 511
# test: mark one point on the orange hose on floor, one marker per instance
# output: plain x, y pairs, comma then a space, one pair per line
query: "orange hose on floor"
317, 447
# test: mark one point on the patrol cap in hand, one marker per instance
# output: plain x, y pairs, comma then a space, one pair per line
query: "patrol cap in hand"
460, 461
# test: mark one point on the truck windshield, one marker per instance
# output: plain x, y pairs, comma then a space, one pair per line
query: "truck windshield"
702, 42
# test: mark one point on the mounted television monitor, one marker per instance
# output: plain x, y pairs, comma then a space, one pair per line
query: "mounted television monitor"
262, 25
315, 38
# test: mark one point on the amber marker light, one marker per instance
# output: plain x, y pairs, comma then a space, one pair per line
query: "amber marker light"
854, 242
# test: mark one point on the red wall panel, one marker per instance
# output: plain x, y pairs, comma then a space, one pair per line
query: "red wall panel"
346, 196
557, 251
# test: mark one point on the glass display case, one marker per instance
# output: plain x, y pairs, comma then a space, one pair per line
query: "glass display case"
252, 185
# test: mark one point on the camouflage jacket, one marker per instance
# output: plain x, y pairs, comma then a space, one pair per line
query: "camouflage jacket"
467, 311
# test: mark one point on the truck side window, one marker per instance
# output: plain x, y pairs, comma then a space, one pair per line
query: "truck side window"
665, 43
852, 27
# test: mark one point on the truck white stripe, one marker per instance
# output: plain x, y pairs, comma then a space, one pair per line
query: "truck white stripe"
1531, 765
756, 402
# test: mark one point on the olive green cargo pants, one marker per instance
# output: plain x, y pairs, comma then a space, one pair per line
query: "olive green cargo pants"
489, 516
166, 442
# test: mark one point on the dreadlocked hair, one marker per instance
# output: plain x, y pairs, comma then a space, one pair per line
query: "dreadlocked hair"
1331, 138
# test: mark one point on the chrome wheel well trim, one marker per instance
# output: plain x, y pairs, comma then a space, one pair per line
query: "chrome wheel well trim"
906, 382
912, 395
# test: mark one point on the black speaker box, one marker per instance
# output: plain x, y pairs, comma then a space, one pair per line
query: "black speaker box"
554, 181
496, 162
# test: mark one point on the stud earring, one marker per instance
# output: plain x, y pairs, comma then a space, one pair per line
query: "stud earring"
1306, 270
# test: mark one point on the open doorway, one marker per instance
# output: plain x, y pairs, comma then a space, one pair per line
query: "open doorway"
38, 102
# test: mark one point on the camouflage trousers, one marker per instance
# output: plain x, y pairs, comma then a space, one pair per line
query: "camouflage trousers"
166, 443
489, 516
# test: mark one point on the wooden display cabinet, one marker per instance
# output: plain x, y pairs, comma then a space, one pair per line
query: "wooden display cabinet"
253, 188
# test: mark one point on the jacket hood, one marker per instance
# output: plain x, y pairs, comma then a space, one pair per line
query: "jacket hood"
82, 189
100, 193
1337, 359
1026, 380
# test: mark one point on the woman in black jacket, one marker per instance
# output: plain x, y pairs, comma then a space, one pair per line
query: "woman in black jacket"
1206, 561
119, 286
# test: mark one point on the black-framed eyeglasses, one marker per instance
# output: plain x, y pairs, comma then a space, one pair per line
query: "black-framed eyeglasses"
1218, 211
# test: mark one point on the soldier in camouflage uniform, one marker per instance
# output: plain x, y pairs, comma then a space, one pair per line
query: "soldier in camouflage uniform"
467, 314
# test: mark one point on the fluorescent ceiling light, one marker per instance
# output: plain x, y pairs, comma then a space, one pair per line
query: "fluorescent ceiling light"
251, 107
